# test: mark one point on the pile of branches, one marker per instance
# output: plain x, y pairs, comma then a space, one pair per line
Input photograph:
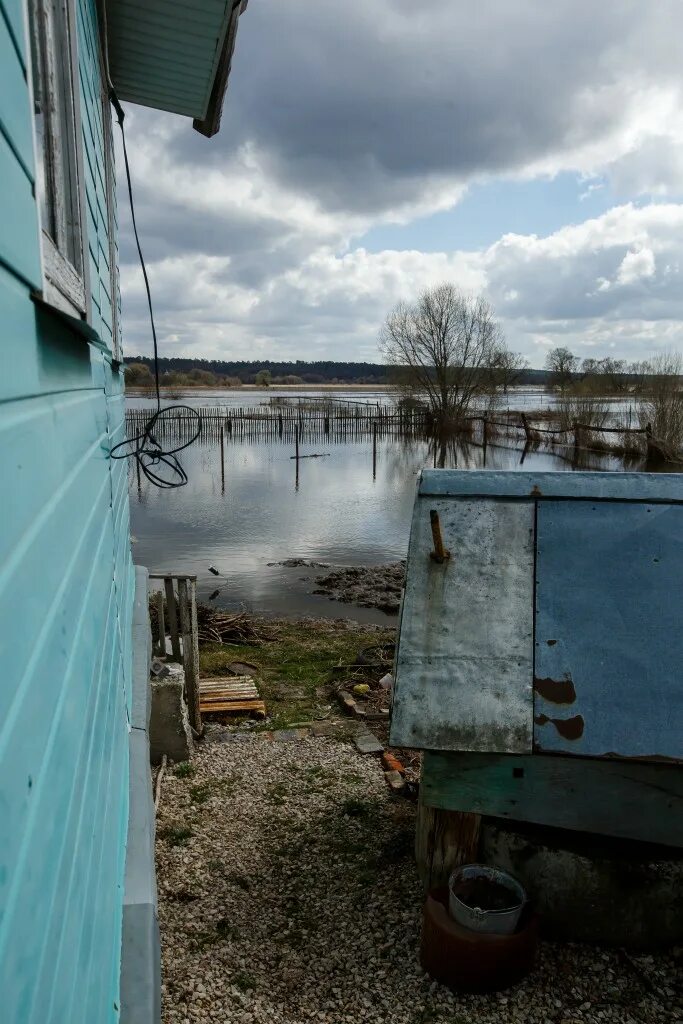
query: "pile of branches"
232, 628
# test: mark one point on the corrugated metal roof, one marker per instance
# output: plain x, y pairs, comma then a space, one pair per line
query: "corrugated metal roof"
174, 54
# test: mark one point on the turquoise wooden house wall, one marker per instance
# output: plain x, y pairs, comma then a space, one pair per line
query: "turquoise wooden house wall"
66, 589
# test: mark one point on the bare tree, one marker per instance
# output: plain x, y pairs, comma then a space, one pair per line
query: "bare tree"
562, 364
442, 348
506, 368
662, 404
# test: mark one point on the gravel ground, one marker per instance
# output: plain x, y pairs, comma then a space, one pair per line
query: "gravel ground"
287, 893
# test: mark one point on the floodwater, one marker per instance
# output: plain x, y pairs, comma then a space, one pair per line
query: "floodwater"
341, 509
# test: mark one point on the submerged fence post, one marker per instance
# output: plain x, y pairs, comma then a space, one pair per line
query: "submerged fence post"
222, 463
296, 444
577, 438
527, 430
374, 449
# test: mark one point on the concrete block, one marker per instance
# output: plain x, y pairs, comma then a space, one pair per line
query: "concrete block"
589, 888
169, 726
367, 743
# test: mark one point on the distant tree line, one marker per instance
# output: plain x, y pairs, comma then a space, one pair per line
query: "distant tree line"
184, 372
178, 371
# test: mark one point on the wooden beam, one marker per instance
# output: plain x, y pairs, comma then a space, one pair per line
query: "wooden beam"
443, 841
620, 798
172, 616
189, 664
161, 624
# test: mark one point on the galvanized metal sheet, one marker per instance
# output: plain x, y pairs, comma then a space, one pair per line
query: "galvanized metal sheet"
465, 657
609, 643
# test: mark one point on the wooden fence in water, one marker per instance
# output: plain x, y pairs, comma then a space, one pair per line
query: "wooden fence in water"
313, 422
262, 423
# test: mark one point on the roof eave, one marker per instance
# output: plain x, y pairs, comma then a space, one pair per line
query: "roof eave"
210, 124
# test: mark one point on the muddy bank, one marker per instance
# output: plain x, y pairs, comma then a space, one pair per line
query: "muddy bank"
368, 586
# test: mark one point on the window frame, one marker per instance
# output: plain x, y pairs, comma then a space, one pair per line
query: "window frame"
54, 82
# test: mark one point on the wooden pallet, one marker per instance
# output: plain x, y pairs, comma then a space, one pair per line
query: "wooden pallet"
236, 693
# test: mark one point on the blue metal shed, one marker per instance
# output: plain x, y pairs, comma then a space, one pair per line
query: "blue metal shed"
554, 628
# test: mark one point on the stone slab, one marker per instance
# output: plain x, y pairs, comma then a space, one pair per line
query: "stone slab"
367, 743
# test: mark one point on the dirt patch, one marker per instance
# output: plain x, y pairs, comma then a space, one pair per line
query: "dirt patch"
368, 586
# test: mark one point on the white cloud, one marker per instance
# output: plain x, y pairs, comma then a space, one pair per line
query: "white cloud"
612, 282
636, 265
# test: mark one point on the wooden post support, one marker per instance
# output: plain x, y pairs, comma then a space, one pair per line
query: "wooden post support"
279, 424
485, 423
194, 632
577, 438
189, 664
161, 624
440, 552
527, 429
374, 449
443, 841
222, 462
172, 617
296, 444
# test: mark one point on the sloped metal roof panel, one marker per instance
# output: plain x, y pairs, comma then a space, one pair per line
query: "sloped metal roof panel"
173, 55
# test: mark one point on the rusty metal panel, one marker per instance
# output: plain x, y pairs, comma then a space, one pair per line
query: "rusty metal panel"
464, 664
608, 674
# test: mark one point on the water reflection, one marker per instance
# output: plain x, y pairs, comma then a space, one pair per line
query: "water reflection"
258, 505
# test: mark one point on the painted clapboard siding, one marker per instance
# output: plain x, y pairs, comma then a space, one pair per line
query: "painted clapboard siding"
66, 589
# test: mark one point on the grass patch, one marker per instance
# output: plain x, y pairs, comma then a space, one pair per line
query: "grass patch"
176, 835
355, 808
200, 794
298, 661
277, 794
244, 981
184, 770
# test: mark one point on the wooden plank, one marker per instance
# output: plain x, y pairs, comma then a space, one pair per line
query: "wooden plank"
15, 110
19, 239
193, 652
172, 616
628, 799
161, 627
189, 665
257, 706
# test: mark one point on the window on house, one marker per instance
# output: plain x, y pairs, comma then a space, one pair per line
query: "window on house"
57, 178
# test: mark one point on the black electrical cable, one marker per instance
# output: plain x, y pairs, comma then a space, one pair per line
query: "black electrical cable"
144, 447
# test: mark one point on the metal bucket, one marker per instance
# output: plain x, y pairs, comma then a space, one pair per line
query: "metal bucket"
495, 920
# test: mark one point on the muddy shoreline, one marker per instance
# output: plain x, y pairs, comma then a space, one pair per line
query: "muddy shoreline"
365, 586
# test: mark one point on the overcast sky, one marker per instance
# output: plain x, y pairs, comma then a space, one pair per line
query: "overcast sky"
532, 151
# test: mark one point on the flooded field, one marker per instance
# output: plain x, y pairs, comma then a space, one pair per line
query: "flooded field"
351, 506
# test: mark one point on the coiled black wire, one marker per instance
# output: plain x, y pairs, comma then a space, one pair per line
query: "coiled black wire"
161, 466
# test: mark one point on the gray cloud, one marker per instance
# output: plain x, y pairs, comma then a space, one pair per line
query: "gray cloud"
341, 117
